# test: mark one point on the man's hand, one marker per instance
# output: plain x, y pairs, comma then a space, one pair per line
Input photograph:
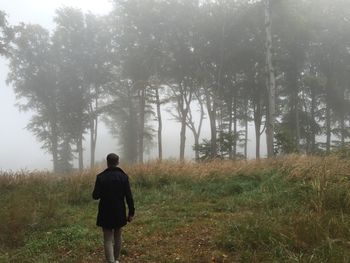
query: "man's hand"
130, 218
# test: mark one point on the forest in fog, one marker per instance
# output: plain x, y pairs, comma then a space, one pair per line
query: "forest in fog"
283, 65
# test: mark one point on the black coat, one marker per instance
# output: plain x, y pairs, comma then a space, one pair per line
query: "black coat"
112, 188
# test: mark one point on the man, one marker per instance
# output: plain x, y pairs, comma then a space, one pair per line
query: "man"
112, 188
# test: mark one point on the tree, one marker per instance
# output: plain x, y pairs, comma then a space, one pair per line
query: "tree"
121, 117
293, 38
33, 75
5, 34
271, 84
96, 68
313, 90
250, 60
138, 45
329, 54
196, 130
203, 56
82, 43
69, 45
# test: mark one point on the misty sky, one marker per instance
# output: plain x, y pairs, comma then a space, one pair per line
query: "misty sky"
19, 149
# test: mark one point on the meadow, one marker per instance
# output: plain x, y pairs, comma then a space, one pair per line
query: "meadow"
288, 209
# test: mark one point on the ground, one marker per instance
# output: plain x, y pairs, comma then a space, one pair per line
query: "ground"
293, 209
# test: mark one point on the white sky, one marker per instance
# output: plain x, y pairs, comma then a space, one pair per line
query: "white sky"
42, 11
19, 149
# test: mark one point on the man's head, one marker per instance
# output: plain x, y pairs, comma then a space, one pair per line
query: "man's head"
112, 160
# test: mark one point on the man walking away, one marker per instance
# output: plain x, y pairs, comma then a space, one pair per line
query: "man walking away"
112, 188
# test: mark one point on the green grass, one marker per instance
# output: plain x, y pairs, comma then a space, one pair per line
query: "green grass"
281, 211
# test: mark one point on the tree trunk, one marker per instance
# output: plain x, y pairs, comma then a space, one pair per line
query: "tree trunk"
328, 112
55, 158
343, 116
183, 97
271, 85
328, 129
211, 108
297, 122
93, 132
235, 126
230, 150
131, 147
313, 113
313, 132
141, 128
246, 129
183, 134
295, 104
342, 127
191, 125
183, 110
80, 152
213, 135
159, 117
257, 145
93, 138
196, 143
54, 151
65, 157
257, 124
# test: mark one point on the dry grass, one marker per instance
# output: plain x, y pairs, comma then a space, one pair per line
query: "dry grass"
199, 170
289, 209
301, 166
310, 167
292, 165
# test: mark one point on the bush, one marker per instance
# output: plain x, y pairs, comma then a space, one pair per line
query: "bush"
15, 218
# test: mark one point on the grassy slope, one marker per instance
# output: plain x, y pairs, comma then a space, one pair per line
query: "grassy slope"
295, 209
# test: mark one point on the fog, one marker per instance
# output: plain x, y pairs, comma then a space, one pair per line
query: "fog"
183, 80
19, 149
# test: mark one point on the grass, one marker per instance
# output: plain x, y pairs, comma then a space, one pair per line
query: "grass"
290, 209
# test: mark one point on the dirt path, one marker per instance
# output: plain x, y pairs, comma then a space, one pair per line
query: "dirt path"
192, 243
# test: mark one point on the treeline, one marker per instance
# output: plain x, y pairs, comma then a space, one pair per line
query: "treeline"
204, 58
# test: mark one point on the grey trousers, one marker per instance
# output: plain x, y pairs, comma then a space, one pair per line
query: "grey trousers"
112, 251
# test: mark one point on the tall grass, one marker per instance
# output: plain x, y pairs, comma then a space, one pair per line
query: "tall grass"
289, 209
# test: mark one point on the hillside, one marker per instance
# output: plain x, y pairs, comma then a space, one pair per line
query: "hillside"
291, 209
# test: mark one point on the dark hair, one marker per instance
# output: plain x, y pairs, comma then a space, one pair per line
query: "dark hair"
112, 159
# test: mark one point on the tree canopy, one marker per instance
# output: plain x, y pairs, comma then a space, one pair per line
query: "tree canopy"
203, 59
